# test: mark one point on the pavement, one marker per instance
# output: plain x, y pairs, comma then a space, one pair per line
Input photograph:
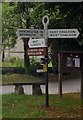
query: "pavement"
68, 86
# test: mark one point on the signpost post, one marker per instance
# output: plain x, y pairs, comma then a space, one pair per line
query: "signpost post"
45, 22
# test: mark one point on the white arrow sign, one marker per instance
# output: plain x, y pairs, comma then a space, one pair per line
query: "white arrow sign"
30, 33
63, 33
36, 43
52, 33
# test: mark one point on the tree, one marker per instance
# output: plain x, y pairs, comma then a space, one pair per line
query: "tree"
23, 11
15, 15
9, 26
62, 15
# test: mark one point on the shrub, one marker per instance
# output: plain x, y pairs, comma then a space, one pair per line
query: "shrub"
33, 67
12, 59
16, 62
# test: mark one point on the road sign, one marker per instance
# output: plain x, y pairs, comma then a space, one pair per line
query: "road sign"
39, 71
30, 33
45, 67
36, 43
52, 33
37, 52
63, 33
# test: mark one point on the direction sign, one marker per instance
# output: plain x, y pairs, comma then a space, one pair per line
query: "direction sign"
39, 71
63, 33
36, 43
52, 33
37, 51
30, 33
45, 68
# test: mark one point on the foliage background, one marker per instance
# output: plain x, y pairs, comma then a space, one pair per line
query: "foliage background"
25, 14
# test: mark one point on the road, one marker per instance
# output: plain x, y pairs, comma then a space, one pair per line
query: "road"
67, 85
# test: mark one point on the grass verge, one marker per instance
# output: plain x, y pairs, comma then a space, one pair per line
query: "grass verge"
25, 106
23, 78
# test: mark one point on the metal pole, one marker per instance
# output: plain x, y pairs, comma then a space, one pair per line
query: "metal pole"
46, 40
81, 89
46, 74
81, 65
60, 74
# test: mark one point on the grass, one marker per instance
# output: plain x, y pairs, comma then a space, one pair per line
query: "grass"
25, 78
12, 78
25, 106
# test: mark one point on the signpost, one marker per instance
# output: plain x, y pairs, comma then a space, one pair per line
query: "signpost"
39, 47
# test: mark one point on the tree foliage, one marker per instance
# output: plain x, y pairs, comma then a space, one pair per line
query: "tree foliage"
9, 25
61, 15
15, 16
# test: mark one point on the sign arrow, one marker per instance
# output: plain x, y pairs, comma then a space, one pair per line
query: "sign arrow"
63, 33
30, 33
36, 43
52, 33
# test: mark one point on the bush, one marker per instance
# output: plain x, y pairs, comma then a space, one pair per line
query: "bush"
12, 59
16, 62
33, 67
